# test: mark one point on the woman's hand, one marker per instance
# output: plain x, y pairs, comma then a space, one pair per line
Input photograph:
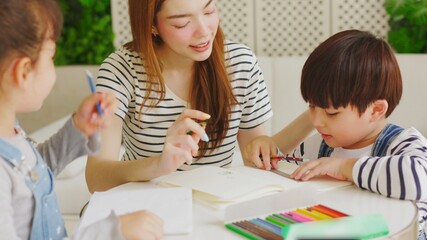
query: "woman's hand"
260, 151
182, 139
141, 225
338, 168
87, 119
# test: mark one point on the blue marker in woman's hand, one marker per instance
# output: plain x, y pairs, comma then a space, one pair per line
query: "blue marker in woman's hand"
92, 89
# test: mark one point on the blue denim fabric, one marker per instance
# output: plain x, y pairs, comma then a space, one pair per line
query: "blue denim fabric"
422, 235
47, 220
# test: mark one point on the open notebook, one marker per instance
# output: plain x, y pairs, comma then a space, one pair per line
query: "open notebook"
219, 187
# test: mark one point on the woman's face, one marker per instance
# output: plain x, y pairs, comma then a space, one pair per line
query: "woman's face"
188, 27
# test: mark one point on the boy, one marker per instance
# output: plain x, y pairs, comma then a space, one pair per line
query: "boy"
352, 83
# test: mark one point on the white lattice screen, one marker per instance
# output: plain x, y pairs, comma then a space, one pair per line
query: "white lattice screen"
237, 20
290, 27
368, 15
281, 27
121, 25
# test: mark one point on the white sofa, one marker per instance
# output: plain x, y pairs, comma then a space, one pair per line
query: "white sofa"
282, 76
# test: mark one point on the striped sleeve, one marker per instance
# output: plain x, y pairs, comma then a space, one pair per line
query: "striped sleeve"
249, 86
116, 76
422, 213
401, 174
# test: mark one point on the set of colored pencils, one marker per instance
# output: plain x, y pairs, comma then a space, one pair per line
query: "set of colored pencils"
271, 226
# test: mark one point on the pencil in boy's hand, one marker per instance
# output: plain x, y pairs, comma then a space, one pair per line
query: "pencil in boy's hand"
92, 89
281, 157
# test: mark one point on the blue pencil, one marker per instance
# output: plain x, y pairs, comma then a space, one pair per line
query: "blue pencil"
92, 89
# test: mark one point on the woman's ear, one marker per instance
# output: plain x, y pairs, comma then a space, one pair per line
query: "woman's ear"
21, 72
379, 109
154, 31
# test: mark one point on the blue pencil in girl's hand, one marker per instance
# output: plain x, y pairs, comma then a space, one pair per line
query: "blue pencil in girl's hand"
92, 89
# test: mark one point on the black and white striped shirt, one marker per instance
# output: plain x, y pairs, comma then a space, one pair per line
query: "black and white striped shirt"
400, 174
123, 74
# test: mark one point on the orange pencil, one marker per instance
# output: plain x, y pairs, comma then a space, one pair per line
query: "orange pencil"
317, 213
328, 211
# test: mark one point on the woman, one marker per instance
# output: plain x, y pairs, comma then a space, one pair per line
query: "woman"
178, 60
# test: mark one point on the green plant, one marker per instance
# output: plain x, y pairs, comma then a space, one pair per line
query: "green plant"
408, 25
87, 36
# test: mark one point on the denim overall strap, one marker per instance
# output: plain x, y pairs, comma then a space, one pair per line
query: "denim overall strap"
47, 220
11, 154
324, 150
387, 135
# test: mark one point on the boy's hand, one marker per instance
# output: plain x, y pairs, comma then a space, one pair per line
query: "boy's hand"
260, 151
87, 119
338, 168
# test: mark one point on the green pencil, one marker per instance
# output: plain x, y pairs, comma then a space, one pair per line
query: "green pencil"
241, 231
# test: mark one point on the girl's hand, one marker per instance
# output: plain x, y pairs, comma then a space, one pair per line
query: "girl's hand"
141, 225
87, 119
182, 139
259, 152
338, 168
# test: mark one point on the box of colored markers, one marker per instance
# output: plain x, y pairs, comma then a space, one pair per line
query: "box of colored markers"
313, 222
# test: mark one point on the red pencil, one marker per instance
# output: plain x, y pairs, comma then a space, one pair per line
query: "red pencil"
286, 158
329, 211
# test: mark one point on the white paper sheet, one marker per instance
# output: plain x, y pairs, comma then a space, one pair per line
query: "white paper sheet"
173, 205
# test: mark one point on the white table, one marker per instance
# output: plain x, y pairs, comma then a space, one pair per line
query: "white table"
208, 223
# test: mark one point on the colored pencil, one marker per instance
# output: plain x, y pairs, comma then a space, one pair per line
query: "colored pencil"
202, 123
257, 230
328, 211
308, 214
319, 214
276, 221
269, 226
241, 231
296, 159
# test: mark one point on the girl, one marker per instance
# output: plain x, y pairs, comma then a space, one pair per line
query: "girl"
28, 205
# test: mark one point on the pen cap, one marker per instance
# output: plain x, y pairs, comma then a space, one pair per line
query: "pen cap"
89, 74
90, 80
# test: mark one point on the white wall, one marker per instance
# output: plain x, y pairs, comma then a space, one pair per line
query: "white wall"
70, 88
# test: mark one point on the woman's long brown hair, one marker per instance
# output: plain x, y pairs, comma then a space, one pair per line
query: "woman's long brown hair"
211, 90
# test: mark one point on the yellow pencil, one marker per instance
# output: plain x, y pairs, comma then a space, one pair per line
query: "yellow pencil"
308, 214
202, 123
